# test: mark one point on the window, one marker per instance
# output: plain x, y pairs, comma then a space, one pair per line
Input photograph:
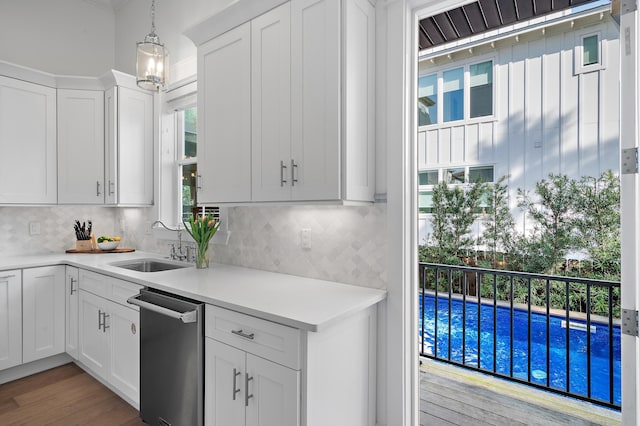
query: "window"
187, 160
453, 95
481, 89
427, 100
454, 176
466, 92
589, 52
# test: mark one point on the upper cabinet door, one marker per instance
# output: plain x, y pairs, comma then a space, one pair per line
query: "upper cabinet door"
80, 147
111, 145
315, 99
135, 147
271, 105
27, 143
224, 117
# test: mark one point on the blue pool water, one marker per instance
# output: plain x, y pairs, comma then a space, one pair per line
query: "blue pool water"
600, 366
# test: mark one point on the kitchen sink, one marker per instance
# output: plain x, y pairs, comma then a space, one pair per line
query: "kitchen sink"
150, 265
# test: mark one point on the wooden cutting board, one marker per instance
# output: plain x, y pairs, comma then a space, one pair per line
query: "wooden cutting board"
116, 250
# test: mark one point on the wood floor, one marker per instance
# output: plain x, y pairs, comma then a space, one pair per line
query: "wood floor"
63, 396
453, 396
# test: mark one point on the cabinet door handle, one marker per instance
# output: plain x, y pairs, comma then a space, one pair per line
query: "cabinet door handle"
104, 321
236, 373
72, 281
294, 169
111, 187
6, 277
198, 181
241, 333
283, 178
247, 395
97, 188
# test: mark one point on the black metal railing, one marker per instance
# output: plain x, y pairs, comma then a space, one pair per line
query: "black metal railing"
556, 333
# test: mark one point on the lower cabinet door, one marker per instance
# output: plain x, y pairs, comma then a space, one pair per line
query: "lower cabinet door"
10, 319
93, 339
274, 392
224, 387
124, 360
43, 312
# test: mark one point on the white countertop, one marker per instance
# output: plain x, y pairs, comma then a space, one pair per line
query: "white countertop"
299, 302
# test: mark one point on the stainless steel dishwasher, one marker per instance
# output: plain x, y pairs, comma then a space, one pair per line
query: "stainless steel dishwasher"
171, 359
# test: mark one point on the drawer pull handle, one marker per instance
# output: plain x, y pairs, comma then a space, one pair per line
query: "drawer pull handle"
6, 277
243, 334
236, 373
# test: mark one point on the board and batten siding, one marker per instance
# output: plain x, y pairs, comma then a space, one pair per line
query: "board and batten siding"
548, 118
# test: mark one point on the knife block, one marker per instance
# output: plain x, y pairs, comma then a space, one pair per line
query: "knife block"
84, 245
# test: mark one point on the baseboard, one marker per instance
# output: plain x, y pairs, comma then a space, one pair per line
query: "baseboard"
24, 370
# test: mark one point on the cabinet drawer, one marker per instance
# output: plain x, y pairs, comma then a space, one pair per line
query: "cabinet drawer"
122, 290
95, 283
275, 342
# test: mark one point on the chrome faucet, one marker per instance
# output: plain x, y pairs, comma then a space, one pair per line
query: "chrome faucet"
180, 253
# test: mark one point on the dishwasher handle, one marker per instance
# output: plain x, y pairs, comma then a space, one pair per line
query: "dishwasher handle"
185, 317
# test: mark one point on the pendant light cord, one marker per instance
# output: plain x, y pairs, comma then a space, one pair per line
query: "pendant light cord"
153, 16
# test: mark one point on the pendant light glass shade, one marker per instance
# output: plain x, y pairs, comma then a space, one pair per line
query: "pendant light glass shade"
152, 59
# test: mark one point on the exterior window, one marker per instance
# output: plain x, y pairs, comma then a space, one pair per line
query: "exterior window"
425, 201
427, 100
481, 174
481, 89
428, 177
590, 52
187, 163
455, 175
453, 95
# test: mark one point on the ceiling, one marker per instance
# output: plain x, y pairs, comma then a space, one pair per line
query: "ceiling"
110, 4
484, 15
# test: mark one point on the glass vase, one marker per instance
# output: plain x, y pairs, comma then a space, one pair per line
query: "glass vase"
202, 255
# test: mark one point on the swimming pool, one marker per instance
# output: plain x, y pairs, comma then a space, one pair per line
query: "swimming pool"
556, 371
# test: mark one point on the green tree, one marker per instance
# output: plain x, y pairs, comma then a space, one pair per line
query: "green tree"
552, 215
499, 227
455, 209
597, 222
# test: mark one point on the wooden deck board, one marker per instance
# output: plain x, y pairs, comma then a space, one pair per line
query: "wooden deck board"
452, 395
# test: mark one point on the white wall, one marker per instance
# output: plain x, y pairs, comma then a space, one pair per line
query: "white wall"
133, 22
67, 37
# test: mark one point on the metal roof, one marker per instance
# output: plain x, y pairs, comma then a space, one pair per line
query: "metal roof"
484, 15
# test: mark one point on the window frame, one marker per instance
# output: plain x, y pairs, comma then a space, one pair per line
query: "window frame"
466, 66
578, 52
442, 175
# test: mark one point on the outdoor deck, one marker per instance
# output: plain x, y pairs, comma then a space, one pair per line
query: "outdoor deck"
454, 396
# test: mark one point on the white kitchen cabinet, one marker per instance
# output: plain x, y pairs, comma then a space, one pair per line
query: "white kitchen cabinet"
311, 114
93, 342
129, 150
262, 372
43, 312
81, 147
109, 339
10, 318
271, 105
224, 117
71, 317
28, 165
243, 389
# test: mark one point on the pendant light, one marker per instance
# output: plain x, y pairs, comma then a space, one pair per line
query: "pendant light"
152, 58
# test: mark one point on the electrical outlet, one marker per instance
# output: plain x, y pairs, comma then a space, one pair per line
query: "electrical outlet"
147, 228
34, 228
305, 238
122, 225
